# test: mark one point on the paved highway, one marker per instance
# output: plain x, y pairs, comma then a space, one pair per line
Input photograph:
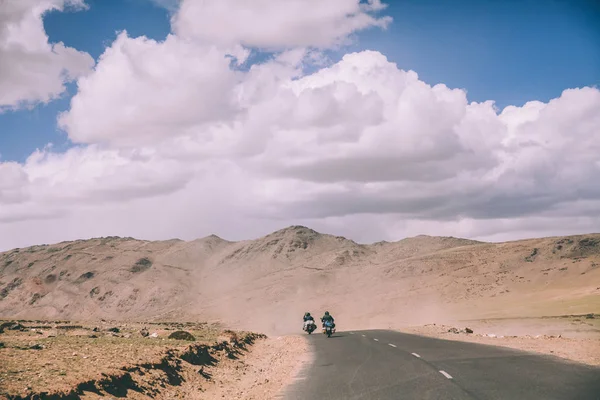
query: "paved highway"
385, 365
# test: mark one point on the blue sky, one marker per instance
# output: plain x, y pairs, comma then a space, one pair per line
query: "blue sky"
509, 51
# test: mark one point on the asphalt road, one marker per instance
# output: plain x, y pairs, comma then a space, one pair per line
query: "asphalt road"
392, 365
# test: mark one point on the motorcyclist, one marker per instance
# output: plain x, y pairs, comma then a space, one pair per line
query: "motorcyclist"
307, 317
328, 317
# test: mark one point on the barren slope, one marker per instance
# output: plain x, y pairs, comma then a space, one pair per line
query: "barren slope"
267, 283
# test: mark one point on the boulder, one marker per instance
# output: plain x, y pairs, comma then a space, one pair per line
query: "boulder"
182, 335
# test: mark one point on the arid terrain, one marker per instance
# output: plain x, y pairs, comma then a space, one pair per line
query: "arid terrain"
540, 295
266, 284
66, 360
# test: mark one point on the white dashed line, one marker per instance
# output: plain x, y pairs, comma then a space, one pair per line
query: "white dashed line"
352, 333
447, 375
377, 340
363, 336
393, 345
416, 355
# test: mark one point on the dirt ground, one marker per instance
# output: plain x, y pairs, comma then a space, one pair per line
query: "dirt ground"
140, 361
262, 374
575, 338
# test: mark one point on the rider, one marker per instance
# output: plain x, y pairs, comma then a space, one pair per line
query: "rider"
328, 317
308, 317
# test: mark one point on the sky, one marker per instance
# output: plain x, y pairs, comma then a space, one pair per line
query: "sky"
375, 120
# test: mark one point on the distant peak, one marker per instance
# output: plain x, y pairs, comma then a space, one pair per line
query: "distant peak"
212, 238
296, 229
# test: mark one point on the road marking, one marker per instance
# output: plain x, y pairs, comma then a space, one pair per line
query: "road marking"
377, 340
447, 375
352, 333
393, 345
416, 355
363, 336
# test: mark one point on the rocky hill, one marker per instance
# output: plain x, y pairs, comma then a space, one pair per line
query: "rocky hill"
267, 283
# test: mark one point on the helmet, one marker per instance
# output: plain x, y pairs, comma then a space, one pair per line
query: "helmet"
307, 314
326, 312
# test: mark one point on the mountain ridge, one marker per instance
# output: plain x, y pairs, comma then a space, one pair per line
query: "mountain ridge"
245, 283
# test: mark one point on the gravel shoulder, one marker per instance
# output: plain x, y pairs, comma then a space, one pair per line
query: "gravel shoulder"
273, 364
585, 350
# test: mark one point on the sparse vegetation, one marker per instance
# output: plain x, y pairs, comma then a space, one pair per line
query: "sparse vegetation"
589, 242
10, 287
35, 298
105, 295
141, 265
532, 256
85, 276
110, 363
182, 335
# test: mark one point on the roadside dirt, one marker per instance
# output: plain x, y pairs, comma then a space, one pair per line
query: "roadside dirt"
137, 361
262, 374
531, 335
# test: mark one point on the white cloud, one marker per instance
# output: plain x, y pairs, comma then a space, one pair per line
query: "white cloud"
32, 69
13, 183
143, 91
179, 142
275, 24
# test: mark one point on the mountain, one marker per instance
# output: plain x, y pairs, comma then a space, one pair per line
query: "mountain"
268, 283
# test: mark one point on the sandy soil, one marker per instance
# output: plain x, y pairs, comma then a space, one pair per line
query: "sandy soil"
536, 335
94, 361
263, 374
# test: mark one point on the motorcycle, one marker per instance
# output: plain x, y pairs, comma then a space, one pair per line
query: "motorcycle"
328, 329
309, 326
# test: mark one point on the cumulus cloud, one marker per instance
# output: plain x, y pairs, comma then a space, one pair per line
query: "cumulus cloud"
274, 24
177, 141
32, 69
142, 91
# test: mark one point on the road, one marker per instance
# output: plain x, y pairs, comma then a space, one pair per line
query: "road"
384, 365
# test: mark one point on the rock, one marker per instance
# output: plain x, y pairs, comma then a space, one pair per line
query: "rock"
491, 335
115, 330
16, 327
96, 329
144, 332
182, 335
154, 335
36, 347
1, 345
468, 330
93, 336
453, 330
